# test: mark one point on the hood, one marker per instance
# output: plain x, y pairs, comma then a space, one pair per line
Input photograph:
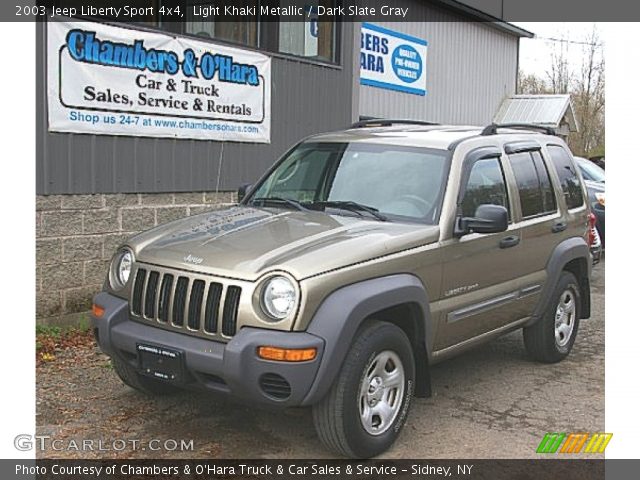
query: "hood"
245, 242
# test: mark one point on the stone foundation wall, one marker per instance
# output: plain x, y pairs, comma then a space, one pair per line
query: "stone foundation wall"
76, 235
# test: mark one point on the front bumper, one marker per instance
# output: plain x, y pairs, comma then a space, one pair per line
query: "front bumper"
230, 368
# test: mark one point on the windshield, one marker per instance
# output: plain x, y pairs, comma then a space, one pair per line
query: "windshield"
590, 171
387, 182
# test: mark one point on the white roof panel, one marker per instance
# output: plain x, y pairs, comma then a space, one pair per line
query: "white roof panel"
546, 110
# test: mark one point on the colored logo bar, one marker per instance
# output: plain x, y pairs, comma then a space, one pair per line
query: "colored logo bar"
574, 443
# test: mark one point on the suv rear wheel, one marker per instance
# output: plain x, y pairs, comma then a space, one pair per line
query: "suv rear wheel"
146, 385
367, 406
551, 338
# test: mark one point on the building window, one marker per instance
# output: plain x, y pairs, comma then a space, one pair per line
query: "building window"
314, 37
239, 29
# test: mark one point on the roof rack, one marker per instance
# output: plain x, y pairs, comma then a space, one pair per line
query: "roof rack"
384, 122
493, 128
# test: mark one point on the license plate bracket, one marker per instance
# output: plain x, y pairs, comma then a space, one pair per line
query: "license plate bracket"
160, 362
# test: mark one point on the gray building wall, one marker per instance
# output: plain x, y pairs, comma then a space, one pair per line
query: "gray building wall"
306, 98
471, 67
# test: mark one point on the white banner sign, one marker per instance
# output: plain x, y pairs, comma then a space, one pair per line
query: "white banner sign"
392, 60
121, 81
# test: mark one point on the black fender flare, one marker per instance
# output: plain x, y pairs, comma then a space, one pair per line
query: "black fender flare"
566, 251
341, 314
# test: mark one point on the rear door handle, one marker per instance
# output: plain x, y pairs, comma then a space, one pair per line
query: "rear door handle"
510, 241
559, 227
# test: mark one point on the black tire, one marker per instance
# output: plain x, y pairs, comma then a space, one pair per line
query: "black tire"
540, 338
146, 385
337, 416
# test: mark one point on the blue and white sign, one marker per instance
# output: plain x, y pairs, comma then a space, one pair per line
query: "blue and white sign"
112, 80
392, 60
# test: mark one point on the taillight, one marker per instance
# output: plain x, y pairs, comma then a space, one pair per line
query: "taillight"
592, 227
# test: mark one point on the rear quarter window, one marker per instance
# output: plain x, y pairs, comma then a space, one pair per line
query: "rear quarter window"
534, 184
568, 176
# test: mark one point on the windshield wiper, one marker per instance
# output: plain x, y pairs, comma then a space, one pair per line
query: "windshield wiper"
352, 207
295, 204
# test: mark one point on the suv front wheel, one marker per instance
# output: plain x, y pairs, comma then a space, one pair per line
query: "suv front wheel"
551, 338
367, 406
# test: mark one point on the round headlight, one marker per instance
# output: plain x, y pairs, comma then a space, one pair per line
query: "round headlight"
279, 297
122, 268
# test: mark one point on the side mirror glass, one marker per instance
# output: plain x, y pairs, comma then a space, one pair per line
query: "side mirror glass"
487, 219
243, 190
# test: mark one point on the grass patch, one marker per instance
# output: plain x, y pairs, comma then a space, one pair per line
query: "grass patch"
52, 339
108, 365
48, 331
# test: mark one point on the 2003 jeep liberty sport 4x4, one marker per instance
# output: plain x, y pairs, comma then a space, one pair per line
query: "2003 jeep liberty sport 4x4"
358, 260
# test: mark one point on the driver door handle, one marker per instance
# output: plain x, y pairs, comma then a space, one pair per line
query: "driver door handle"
559, 227
510, 241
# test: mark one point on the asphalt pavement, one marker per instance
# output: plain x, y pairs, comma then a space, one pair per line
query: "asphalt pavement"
492, 402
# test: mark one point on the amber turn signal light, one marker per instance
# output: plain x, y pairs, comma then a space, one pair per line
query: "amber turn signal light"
287, 354
97, 310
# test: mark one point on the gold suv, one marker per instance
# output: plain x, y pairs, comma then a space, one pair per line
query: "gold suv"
360, 259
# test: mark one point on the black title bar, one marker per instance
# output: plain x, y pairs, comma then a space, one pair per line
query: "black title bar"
299, 10
542, 469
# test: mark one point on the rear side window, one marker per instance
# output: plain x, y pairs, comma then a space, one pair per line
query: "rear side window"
485, 185
534, 184
568, 176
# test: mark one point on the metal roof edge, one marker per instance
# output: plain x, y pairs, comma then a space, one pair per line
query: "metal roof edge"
494, 22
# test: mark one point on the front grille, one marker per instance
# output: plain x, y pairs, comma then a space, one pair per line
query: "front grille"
179, 301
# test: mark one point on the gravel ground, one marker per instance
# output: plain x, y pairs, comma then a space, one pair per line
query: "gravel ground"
492, 402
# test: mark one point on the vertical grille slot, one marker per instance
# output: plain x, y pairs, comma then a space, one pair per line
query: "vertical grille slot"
212, 307
138, 286
195, 304
230, 311
165, 297
151, 295
180, 300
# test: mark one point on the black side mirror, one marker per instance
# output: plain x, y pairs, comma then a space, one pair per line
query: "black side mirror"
243, 190
488, 219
